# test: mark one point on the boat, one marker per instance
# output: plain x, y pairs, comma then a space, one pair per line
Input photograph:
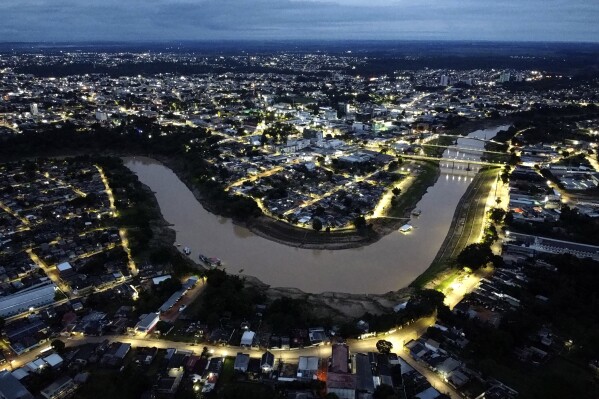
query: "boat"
214, 262
406, 228
416, 212
187, 251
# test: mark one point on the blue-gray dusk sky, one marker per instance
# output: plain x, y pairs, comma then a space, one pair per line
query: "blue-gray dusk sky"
150, 20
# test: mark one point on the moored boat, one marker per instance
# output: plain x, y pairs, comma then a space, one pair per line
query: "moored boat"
406, 228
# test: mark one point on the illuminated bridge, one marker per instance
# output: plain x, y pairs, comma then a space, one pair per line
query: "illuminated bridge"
464, 149
454, 160
457, 136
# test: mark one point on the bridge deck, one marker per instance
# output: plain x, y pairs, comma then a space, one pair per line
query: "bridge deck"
456, 160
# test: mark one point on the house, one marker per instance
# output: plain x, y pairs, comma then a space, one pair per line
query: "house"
340, 358
11, 388
307, 367
84, 354
247, 339
317, 335
65, 270
61, 388
429, 393
242, 361
53, 360
36, 366
116, 353
342, 384
364, 377
267, 362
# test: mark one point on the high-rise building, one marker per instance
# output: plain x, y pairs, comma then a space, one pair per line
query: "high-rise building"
444, 80
33, 108
101, 116
504, 77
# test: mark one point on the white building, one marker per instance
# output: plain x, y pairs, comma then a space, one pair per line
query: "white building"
30, 298
247, 339
101, 116
147, 323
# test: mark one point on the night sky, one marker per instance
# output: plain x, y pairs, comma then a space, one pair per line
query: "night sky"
151, 20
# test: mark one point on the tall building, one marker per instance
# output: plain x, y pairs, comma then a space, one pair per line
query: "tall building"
101, 116
33, 109
444, 80
504, 77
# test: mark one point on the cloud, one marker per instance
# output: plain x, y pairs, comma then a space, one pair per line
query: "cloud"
72, 20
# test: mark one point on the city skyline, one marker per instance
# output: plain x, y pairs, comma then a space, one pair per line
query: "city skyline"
68, 20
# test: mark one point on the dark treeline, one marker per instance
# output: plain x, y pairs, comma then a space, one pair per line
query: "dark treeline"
152, 68
582, 66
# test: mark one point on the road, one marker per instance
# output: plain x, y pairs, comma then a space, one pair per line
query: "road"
398, 338
456, 160
173, 313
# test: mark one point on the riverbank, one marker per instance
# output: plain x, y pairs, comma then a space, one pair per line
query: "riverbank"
338, 306
466, 224
398, 215
145, 214
480, 124
293, 236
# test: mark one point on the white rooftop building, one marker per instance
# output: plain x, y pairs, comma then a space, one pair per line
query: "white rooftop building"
25, 300
247, 339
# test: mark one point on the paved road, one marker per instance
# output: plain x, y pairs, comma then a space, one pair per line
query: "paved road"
398, 338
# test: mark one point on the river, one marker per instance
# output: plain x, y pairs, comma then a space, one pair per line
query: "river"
389, 264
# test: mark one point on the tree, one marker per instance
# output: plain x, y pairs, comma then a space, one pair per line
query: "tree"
317, 224
58, 345
475, 256
384, 346
360, 222
497, 215
396, 191
384, 391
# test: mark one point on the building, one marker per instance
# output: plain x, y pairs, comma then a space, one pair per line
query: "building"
504, 77
364, 377
267, 362
147, 323
101, 116
340, 358
65, 270
342, 384
61, 388
33, 297
444, 81
247, 339
242, 361
11, 388
532, 245
307, 367
53, 360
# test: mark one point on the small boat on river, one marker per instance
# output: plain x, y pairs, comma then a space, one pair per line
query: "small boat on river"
213, 262
406, 228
